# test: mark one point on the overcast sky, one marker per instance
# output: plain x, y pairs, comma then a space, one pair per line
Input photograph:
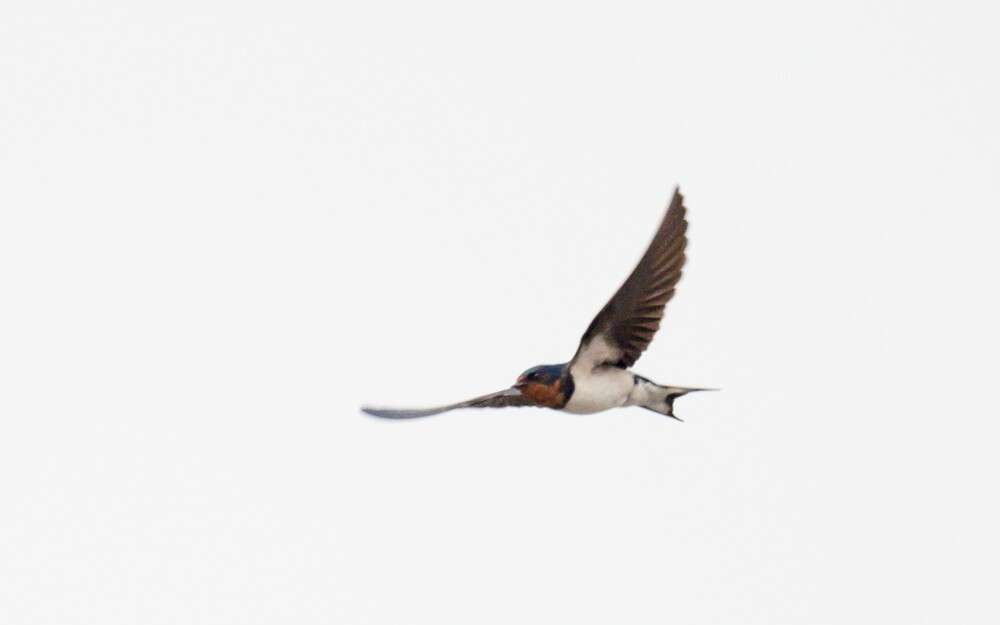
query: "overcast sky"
226, 225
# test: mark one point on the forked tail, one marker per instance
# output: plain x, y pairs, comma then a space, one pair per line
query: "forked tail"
657, 398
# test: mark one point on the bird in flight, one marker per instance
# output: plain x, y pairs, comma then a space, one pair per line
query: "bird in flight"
599, 377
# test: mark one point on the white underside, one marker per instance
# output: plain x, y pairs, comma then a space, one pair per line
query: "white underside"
600, 389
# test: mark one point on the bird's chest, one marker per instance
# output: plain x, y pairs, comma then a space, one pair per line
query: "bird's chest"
599, 390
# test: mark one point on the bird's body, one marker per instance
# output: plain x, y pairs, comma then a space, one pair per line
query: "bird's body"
598, 377
586, 391
600, 389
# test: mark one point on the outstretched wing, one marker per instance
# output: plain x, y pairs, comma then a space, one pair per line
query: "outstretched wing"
500, 399
625, 326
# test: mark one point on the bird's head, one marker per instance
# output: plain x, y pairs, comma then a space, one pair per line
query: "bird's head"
543, 384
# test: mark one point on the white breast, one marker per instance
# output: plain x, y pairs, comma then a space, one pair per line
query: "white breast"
599, 389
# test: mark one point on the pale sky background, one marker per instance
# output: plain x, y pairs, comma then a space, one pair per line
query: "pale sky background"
226, 225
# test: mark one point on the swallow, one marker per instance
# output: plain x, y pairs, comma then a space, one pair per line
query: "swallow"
599, 375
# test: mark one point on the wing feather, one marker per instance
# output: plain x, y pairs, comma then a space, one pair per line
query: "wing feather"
626, 325
502, 399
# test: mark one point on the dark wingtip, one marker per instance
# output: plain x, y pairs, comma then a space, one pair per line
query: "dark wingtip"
381, 413
404, 413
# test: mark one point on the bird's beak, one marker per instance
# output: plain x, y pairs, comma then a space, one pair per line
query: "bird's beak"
521, 381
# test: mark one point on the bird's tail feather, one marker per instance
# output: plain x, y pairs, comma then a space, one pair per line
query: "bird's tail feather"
661, 398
